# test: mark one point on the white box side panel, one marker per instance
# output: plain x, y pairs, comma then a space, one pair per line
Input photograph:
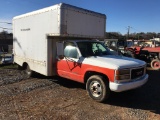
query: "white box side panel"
85, 25
30, 40
30, 32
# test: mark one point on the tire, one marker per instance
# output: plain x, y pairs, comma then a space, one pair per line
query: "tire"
20, 67
28, 71
155, 64
97, 88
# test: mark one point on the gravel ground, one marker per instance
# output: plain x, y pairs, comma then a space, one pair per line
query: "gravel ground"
54, 98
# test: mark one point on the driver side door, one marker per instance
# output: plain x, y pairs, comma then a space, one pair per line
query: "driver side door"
70, 65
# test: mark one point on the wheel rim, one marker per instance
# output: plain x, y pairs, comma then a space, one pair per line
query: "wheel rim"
28, 71
96, 88
156, 64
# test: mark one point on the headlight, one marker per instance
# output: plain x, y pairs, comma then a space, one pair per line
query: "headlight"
123, 77
123, 74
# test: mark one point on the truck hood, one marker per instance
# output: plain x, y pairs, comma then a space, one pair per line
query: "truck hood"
114, 61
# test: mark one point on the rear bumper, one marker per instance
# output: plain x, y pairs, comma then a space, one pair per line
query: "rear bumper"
119, 87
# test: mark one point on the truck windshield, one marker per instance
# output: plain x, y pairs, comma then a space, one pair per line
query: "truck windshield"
88, 48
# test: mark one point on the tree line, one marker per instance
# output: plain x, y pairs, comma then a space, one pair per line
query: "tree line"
134, 36
108, 35
5, 35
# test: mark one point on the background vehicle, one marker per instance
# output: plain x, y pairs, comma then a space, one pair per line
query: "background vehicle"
118, 45
7, 59
148, 51
58, 40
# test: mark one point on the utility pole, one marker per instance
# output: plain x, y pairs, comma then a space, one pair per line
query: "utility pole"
6, 22
128, 30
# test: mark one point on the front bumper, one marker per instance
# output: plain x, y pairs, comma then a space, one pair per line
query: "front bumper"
119, 87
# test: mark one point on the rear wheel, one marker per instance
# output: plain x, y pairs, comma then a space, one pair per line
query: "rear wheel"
98, 88
155, 64
28, 71
20, 67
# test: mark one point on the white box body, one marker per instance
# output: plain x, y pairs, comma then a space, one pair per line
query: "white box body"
35, 34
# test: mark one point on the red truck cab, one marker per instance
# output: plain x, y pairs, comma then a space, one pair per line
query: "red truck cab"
92, 63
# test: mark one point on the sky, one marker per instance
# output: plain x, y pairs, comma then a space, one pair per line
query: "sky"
138, 15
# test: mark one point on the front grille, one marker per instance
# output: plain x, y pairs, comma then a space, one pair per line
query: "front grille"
136, 73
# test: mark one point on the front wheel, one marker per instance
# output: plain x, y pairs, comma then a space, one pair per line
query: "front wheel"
155, 64
98, 88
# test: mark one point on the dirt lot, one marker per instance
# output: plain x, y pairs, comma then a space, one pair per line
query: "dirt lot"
46, 98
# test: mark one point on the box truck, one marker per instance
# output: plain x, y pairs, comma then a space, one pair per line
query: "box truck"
62, 40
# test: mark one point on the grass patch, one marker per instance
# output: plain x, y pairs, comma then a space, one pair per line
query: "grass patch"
10, 66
